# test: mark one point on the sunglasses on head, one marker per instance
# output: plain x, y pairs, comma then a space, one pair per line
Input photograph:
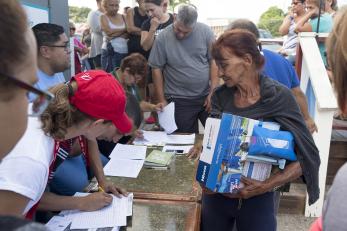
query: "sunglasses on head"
41, 99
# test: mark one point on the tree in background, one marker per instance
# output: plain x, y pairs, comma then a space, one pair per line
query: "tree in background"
174, 3
271, 20
78, 14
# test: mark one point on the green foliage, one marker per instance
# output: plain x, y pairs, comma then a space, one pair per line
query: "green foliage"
271, 20
174, 3
78, 14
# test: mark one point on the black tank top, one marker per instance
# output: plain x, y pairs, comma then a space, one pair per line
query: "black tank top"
138, 18
134, 42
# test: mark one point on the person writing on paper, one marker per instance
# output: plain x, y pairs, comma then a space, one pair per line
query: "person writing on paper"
246, 92
75, 111
132, 71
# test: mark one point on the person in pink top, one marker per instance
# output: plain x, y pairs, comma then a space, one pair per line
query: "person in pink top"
79, 49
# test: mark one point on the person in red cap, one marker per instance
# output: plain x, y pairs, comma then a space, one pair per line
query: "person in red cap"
90, 105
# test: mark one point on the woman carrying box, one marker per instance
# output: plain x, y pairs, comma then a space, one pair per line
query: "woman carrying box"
249, 94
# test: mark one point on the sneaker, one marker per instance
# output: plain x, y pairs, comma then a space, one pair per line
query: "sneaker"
150, 120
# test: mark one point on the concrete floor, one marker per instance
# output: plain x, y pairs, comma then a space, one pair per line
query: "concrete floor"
293, 222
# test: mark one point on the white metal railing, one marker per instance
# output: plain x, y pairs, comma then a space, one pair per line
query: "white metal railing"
322, 105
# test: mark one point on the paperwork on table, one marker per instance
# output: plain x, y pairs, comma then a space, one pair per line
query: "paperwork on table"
126, 161
157, 138
167, 118
123, 167
130, 152
110, 217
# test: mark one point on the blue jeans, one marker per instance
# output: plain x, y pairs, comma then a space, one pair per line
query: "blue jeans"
71, 176
111, 59
253, 214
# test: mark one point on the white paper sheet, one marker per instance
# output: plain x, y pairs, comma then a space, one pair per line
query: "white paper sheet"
177, 149
167, 118
152, 138
110, 216
161, 138
130, 152
130, 199
58, 223
123, 167
181, 139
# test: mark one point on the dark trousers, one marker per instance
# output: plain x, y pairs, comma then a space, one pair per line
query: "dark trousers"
254, 214
188, 112
97, 61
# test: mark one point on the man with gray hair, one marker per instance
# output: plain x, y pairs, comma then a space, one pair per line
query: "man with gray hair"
183, 69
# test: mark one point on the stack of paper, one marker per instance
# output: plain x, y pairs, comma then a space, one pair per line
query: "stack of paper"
158, 159
123, 167
112, 216
130, 152
157, 138
126, 161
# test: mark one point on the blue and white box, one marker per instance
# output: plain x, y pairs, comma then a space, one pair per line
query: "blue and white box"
224, 157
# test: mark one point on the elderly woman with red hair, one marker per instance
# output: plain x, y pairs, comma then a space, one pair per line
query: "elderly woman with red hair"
246, 92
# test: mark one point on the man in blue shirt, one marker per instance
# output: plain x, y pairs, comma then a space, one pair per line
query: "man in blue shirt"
53, 55
278, 68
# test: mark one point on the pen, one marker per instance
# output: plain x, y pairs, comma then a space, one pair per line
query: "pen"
101, 189
157, 168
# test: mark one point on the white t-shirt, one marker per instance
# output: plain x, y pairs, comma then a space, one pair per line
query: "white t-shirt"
25, 169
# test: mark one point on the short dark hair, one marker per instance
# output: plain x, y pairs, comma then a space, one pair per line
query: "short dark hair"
246, 25
13, 42
240, 42
136, 63
155, 2
47, 33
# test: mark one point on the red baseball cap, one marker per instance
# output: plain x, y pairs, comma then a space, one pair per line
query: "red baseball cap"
101, 96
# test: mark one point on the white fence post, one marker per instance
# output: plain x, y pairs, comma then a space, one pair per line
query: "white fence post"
322, 105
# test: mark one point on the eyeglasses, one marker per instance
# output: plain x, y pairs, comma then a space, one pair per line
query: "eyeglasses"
41, 100
66, 46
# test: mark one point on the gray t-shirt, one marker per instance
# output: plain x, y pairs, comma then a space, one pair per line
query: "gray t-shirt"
335, 207
185, 63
